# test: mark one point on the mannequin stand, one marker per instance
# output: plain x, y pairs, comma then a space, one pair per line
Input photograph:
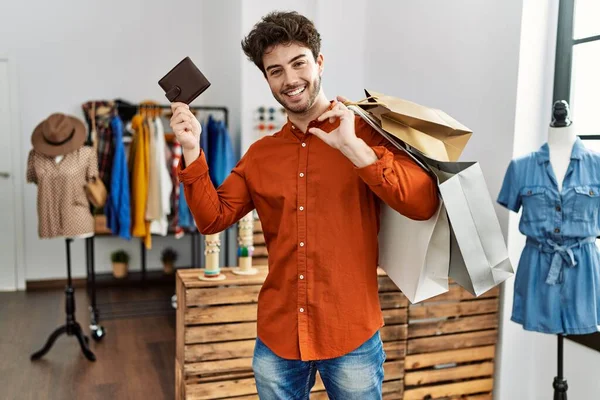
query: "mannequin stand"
71, 327
560, 384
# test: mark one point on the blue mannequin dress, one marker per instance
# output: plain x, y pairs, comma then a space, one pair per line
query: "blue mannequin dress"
557, 284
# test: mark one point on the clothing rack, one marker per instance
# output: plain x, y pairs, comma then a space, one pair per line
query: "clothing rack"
143, 278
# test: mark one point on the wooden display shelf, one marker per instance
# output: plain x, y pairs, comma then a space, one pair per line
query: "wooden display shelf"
216, 333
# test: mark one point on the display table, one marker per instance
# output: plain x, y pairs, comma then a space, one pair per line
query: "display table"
216, 332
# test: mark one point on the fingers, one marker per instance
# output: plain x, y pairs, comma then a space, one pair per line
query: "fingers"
181, 128
342, 99
176, 105
337, 112
182, 119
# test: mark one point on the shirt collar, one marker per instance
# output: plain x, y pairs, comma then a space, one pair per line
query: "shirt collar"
543, 155
289, 126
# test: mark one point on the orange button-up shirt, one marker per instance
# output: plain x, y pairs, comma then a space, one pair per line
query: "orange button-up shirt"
320, 218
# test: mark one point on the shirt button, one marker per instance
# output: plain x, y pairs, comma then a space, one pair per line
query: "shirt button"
301, 208
591, 192
301, 174
301, 309
529, 192
301, 276
557, 230
303, 144
301, 244
558, 208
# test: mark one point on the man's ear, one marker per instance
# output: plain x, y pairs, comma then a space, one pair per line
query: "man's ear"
320, 63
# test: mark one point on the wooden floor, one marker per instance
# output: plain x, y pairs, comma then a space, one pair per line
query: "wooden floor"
135, 360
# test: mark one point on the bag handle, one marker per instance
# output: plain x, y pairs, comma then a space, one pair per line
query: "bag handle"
365, 102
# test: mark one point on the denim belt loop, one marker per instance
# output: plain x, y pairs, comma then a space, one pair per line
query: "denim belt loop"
563, 256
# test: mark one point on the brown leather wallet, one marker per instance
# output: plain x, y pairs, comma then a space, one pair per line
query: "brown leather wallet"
184, 82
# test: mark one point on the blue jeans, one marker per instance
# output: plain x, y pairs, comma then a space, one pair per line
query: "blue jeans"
356, 375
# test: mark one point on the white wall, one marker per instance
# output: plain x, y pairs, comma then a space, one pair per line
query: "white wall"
68, 52
516, 361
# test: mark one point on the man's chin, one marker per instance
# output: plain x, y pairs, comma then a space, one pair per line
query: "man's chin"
296, 108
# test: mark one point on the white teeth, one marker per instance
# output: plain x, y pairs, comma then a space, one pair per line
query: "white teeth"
297, 91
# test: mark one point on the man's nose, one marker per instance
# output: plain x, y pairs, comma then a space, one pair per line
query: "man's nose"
291, 79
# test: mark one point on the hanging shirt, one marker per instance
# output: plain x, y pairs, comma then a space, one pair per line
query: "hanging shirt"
153, 204
223, 159
62, 205
103, 136
160, 225
320, 219
139, 180
118, 207
557, 284
175, 195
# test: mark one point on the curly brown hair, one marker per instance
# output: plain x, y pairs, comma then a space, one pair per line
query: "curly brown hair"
280, 28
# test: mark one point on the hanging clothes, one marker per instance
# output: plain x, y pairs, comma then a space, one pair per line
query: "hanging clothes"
160, 225
104, 110
175, 194
185, 215
118, 207
221, 159
153, 204
140, 160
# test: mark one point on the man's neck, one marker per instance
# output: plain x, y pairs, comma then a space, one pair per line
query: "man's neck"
302, 120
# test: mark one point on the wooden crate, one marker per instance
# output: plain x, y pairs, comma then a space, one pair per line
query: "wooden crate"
216, 332
451, 346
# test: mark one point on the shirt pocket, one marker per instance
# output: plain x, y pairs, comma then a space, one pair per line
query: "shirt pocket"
586, 203
535, 203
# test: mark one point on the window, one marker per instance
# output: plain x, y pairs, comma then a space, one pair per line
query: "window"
577, 80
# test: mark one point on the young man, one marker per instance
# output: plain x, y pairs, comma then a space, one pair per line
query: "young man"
316, 186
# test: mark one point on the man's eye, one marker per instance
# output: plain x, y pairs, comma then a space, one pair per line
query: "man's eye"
298, 64
276, 72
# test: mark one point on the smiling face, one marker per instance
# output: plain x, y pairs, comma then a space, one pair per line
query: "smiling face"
293, 76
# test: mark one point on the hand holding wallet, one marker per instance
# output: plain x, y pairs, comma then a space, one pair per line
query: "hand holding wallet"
184, 82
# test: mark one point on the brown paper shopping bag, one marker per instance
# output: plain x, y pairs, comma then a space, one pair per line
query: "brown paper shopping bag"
431, 131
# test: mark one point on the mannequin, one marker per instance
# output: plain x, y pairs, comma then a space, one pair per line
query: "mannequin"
63, 209
561, 137
558, 189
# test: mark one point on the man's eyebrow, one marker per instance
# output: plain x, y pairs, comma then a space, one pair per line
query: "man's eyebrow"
289, 62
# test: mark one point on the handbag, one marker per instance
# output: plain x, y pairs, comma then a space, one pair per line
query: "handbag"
94, 189
184, 82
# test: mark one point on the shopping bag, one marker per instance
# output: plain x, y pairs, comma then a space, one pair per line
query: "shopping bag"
414, 254
478, 255
431, 131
